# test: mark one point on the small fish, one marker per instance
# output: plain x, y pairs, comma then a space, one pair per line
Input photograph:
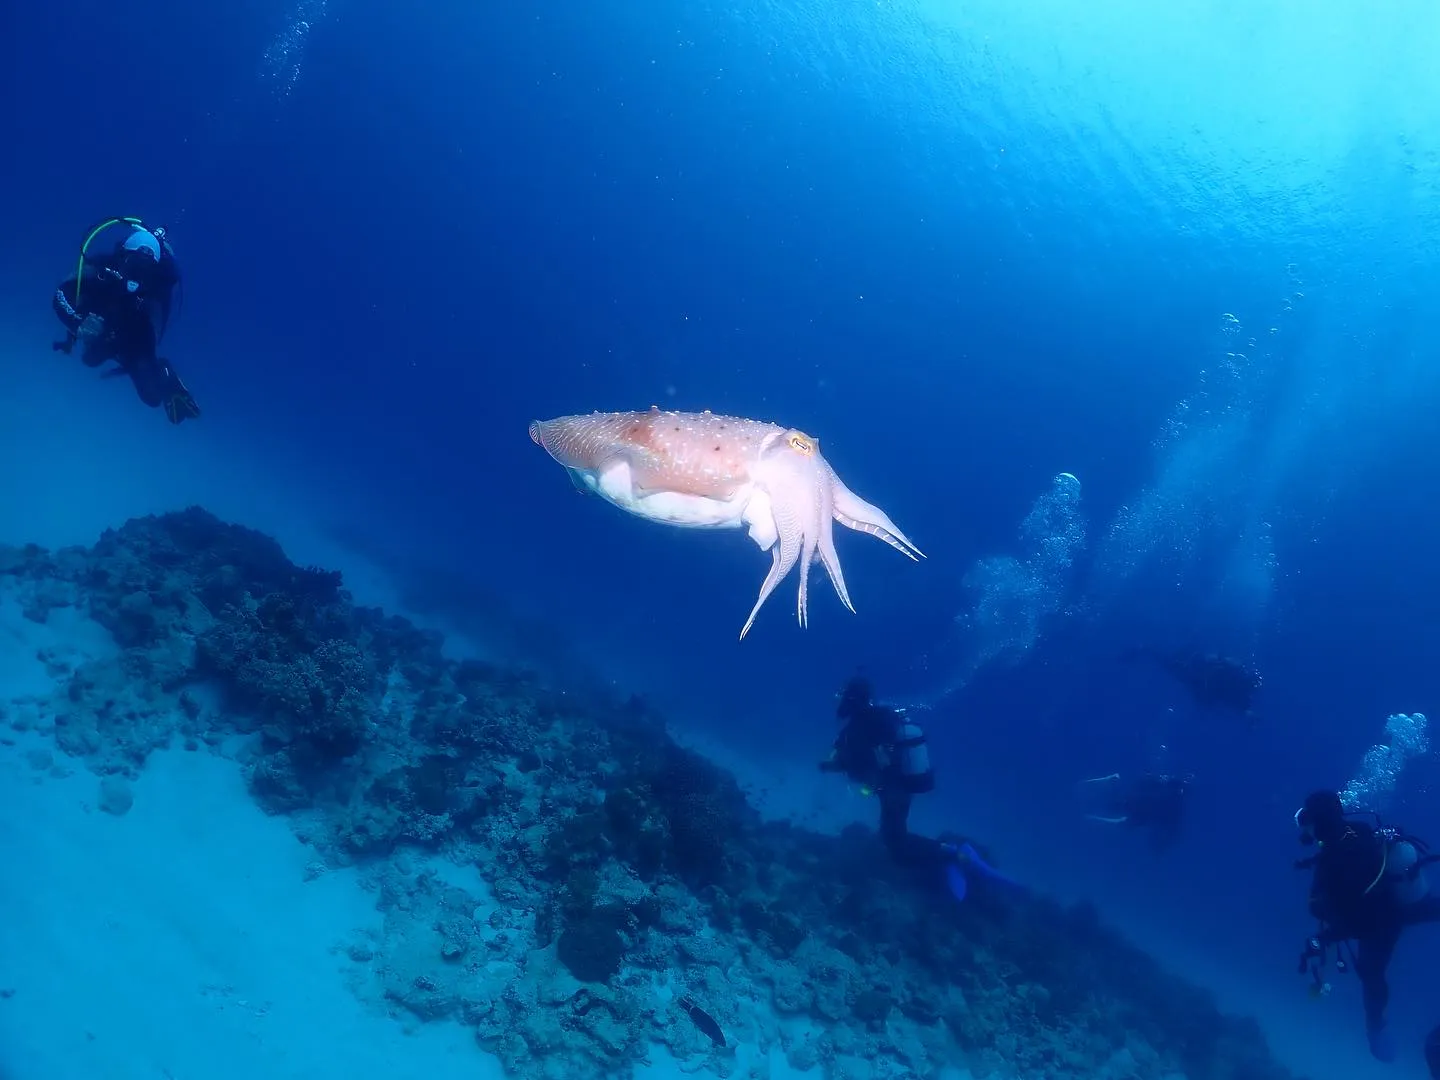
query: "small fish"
704, 1021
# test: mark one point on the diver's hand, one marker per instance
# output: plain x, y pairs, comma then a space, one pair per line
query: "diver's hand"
1312, 950
91, 328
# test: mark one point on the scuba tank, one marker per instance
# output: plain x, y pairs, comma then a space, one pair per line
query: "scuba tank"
899, 754
912, 756
1404, 872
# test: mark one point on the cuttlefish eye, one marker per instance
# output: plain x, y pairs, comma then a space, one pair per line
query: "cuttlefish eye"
801, 443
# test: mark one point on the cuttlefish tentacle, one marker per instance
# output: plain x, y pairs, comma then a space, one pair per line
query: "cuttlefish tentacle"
698, 470
855, 513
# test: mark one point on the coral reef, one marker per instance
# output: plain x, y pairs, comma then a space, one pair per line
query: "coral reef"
554, 871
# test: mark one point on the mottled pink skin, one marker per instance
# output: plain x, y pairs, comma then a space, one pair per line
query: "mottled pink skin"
698, 469
693, 453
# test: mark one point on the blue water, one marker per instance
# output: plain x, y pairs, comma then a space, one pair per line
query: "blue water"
1185, 254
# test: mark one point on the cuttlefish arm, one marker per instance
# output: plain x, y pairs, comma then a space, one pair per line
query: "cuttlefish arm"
802, 498
855, 513
783, 555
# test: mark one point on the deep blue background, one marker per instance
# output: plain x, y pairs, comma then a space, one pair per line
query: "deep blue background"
967, 250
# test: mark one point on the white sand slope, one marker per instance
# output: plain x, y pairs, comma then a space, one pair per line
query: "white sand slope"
182, 940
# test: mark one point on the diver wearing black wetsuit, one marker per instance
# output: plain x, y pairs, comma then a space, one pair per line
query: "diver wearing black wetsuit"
118, 309
1212, 680
1154, 802
1367, 887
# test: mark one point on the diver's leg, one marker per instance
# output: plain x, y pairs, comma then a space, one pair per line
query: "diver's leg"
98, 350
135, 352
151, 379
155, 381
1372, 957
894, 823
923, 855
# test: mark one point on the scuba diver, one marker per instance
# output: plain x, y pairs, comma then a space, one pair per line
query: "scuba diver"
1432, 1052
118, 306
1369, 884
884, 752
1154, 802
1212, 680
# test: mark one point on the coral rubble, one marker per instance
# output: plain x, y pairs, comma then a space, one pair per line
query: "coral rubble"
554, 871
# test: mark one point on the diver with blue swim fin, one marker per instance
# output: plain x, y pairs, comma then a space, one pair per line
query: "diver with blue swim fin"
884, 751
1369, 884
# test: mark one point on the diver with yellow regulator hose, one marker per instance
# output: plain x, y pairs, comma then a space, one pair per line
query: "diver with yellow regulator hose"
118, 305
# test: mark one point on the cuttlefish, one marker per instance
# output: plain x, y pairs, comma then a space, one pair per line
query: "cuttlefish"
702, 471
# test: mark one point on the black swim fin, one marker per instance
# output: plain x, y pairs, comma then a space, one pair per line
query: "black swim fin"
180, 404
